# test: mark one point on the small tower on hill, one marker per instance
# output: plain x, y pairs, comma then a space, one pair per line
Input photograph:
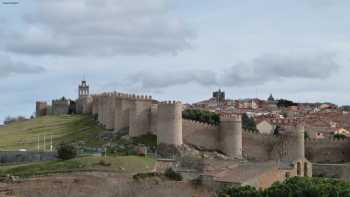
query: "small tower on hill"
83, 89
270, 99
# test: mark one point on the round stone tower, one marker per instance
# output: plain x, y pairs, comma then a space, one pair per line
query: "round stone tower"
169, 123
300, 142
231, 135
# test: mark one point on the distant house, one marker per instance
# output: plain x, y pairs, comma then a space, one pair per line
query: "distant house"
265, 127
342, 131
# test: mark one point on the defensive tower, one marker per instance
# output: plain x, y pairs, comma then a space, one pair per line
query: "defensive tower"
140, 116
231, 135
169, 123
300, 142
41, 108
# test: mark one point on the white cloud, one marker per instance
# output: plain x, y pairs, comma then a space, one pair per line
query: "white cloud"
101, 27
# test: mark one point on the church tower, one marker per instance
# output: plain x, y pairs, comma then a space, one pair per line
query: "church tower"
83, 89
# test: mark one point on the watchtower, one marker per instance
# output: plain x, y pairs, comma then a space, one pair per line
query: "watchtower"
231, 135
169, 123
300, 142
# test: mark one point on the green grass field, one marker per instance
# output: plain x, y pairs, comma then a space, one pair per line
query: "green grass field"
68, 128
121, 164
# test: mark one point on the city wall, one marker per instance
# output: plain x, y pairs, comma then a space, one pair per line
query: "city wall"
60, 107
328, 151
258, 147
201, 135
141, 115
339, 171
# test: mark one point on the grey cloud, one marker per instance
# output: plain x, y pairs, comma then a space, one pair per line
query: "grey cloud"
278, 67
153, 81
9, 67
259, 71
101, 27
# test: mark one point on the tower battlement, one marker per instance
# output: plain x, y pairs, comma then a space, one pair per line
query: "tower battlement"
231, 118
170, 103
120, 95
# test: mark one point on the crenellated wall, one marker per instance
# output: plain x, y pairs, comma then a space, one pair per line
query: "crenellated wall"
141, 115
258, 147
328, 150
255, 146
140, 118
60, 107
201, 135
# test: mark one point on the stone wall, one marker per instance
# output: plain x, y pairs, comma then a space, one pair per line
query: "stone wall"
339, 171
154, 118
201, 135
140, 114
328, 151
114, 111
41, 109
22, 157
258, 147
84, 105
140, 118
121, 118
60, 107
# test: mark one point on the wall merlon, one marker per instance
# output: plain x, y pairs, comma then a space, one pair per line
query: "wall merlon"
199, 124
170, 103
230, 117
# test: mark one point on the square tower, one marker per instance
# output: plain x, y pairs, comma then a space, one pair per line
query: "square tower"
83, 89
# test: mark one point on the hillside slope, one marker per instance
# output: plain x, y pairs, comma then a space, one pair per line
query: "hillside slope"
68, 128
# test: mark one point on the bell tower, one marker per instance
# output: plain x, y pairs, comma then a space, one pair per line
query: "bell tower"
83, 89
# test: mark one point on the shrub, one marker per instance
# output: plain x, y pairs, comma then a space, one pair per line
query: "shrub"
339, 136
139, 176
191, 162
103, 162
66, 151
201, 116
248, 123
172, 175
295, 186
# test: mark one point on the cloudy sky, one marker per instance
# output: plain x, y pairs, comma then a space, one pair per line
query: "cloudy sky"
174, 49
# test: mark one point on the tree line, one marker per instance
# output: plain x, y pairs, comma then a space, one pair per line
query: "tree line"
294, 187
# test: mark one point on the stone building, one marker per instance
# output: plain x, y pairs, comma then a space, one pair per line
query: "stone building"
265, 127
62, 106
84, 101
41, 109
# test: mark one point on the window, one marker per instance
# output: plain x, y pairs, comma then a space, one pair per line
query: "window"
299, 169
305, 169
287, 175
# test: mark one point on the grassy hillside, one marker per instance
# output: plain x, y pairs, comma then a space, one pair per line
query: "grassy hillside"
121, 164
69, 128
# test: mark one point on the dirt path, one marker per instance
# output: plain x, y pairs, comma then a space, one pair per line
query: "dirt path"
97, 184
